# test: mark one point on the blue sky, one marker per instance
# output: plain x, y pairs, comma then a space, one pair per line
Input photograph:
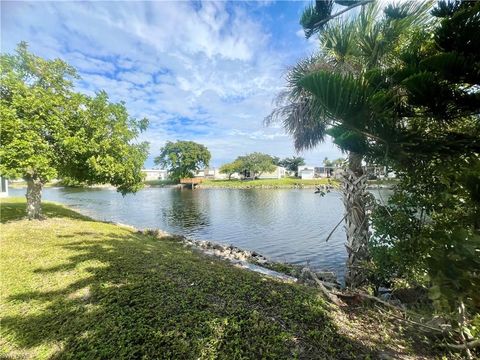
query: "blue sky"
201, 71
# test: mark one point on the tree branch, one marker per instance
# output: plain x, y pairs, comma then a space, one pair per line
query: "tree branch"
322, 22
330, 296
335, 228
468, 345
411, 321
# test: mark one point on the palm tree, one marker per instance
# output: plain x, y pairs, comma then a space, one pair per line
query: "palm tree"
337, 92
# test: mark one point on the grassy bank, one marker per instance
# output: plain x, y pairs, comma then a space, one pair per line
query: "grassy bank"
160, 182
267, 183
23, 184
77, 288
226, 184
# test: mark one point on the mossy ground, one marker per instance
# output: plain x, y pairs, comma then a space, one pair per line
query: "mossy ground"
76, 288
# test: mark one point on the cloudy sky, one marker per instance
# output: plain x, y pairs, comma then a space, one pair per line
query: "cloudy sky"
201, 71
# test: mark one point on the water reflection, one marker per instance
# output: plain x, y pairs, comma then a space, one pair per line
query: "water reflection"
283, 224
186, 209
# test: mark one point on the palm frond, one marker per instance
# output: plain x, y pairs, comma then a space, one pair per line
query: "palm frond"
348, 140
299, 111
302, 117
338, 40
314, 16
342, 96
445, 8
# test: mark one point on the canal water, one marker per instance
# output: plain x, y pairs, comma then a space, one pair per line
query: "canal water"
288, 225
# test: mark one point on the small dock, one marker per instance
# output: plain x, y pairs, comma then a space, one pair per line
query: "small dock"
191, 182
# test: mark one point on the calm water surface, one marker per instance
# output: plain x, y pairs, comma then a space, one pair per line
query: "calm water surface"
283, 224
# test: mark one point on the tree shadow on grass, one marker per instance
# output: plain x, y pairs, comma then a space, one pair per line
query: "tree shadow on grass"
15, 209
154, 299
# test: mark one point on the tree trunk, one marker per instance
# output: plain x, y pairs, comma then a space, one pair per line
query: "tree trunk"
354, 183
34, 199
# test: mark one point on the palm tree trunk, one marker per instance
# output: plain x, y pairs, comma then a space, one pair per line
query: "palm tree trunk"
354, 183
34, 198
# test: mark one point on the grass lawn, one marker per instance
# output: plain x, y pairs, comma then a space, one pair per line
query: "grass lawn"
76, 288
269, 183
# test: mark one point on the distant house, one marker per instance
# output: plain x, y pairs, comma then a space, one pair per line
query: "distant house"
306, 172
325, 171
155, 174
207, 173
378, 172
280, 172
3, 187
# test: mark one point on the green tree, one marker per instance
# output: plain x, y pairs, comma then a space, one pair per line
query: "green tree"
50, 131
338, 93
292, 164
431, 225
231, 168
338, 162
182, 158
277, 161
257, 163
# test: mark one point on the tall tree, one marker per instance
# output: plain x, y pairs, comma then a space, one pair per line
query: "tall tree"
231, 168
277, 161
256, 163
432, 224
182, 158
292, 164
327, 162
331, 93
50, 131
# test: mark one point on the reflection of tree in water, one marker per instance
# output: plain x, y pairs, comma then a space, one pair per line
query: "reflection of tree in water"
258, 204
185, 210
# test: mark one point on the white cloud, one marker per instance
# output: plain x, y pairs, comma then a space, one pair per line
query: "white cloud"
135, 77
210, 62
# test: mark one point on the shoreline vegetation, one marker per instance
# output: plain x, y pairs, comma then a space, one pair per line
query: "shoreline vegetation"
72, 285
284, 183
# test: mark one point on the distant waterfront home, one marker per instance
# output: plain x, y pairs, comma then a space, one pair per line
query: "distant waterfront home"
306, 172
279, 173
207, 173
3, 187
325, 171
378, 172
155, 174
214, 173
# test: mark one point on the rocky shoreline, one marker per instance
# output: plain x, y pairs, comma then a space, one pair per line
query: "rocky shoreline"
250, 260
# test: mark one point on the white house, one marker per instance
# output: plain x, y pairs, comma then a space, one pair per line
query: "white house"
306, 172
280, 172
208, 173
3, 187
325, 171
155, 174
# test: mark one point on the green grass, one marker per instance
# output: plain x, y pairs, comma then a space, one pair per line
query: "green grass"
14, 209
267, 183
160, 182
75, 288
